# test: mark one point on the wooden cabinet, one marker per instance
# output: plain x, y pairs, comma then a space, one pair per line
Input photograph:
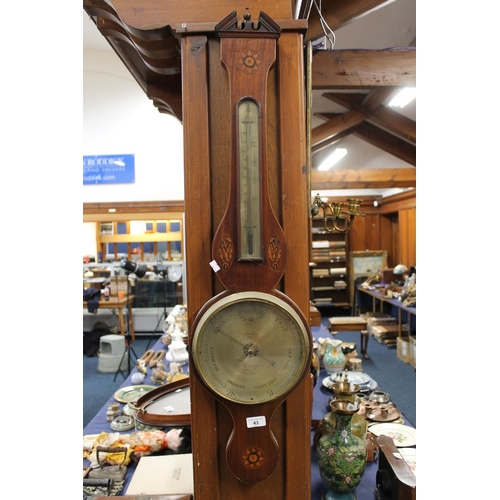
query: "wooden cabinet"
328, 267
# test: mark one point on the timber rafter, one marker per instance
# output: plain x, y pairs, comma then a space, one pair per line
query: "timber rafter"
146, 37
382, 72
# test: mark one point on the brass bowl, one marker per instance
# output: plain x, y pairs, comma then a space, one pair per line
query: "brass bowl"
344, 407
345, 388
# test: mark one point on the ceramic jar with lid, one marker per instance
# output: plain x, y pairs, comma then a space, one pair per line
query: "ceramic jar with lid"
113, 411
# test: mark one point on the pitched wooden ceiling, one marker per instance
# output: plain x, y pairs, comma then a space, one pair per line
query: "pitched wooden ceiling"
356, 83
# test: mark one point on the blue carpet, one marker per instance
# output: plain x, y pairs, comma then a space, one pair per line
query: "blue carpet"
99, 387
392, 375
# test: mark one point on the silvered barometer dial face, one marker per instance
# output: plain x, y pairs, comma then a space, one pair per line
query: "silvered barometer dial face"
251, 347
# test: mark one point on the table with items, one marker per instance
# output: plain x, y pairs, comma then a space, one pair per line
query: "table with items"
382, 417
404, 313
121, 432
120, 304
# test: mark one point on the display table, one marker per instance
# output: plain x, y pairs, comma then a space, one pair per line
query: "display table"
120, 304
380, 299
321, 396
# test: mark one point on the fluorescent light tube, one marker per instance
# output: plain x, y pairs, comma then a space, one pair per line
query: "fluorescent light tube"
403, 97
336, 156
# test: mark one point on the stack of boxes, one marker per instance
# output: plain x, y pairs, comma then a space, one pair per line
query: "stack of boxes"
383, 327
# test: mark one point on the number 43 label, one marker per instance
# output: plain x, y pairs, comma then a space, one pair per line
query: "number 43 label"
256, 422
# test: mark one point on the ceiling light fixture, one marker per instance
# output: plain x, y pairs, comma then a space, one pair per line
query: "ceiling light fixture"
336, 156
403, 97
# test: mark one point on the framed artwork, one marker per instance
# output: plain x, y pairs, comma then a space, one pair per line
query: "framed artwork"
107, 228
363, 265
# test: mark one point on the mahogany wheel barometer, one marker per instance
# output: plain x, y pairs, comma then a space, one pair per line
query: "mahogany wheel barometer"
251, 345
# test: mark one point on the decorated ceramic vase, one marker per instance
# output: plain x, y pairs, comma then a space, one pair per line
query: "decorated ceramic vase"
341, 455
333, 359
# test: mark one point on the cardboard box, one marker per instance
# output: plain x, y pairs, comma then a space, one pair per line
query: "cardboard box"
413, 352
387, 334
377, 319
403, 349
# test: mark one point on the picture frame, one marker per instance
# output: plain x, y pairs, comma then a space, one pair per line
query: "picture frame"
107, 228
364, 264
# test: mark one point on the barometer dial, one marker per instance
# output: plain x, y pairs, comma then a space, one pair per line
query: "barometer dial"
251, 348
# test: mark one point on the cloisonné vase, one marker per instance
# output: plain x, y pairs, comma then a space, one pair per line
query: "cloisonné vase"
345, 391
341, 455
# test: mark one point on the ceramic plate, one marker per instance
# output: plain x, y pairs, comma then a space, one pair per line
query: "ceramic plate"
328, 383
132, 393
410, 456
371, 386
359, 378
402, 435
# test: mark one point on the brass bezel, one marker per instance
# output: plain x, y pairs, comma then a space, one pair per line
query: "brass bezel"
282, 309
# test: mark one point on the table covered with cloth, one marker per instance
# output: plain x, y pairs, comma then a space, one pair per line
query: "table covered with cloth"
364, 491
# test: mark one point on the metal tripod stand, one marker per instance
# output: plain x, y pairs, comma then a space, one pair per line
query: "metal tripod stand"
128, 340
162, 272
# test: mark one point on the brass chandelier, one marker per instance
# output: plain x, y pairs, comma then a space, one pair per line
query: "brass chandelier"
333, 214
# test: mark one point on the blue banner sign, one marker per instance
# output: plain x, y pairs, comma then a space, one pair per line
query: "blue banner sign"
109, 169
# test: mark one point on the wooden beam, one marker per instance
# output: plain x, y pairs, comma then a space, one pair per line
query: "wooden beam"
149, 15
326, 116
325, 144
376, 97
338, 14
134, 207
363, 179
387, 142
339, 69
386, 118
395, 122
340, 123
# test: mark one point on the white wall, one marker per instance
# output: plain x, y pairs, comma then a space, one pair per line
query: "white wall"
118, 118
89, 239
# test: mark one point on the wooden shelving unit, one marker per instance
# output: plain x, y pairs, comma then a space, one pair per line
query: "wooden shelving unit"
328, 267
135, 239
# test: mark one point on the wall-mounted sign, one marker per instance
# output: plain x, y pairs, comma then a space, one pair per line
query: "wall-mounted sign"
109, 169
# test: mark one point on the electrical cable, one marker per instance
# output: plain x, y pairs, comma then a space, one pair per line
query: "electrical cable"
324, 25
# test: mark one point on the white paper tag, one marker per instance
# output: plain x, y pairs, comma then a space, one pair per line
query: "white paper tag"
256, 422
169, 408
214, 266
